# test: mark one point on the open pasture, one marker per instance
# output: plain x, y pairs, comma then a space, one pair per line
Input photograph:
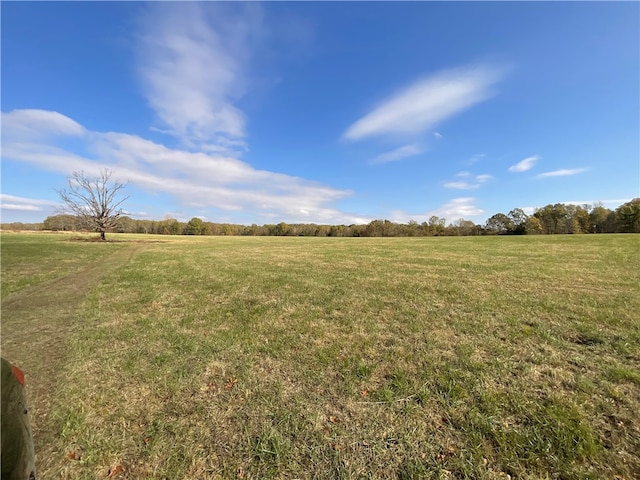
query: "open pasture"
284, 357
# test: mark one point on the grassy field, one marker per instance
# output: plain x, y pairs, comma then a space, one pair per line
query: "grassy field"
262, 357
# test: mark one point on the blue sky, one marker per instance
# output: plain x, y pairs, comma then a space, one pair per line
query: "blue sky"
323, 112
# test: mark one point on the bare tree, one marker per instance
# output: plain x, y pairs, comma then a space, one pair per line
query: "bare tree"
96, 200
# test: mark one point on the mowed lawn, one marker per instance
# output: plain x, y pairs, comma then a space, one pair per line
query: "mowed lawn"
345, 358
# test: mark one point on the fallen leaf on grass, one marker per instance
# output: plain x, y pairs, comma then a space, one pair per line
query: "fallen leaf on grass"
73, 455
115, 471
231, 382
333, 419
364, 393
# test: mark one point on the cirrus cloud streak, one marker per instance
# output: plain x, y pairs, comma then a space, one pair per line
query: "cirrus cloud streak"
398, 154
524, 165
13, 202
427, 102
465, 185
563, 172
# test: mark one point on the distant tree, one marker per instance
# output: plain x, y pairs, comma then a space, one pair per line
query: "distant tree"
20, 226
532, 226
599, 220
169, 226
175, 228
436, 225
576, 219
358, 230
142, 226
336, 231
228, 229
322, 231
611, 225
61, 223
280, 229
411, 229
518, 219
374, 228
126, 225
253, 230
499, 223
581, 215
462, 227
391, 229
195, 226
561, 218
465, 227
553, 218
96, 200
629, 216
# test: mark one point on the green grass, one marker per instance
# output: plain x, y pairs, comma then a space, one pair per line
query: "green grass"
348, 358
31, 259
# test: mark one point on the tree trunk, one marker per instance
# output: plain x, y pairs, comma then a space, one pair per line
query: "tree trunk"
102, 235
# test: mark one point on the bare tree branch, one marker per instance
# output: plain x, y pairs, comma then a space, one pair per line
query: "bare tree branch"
96, 200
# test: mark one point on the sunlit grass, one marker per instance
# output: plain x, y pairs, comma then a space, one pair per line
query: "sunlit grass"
357, 358
31, 259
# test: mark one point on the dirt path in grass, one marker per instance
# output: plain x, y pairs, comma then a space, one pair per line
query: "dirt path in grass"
36, 322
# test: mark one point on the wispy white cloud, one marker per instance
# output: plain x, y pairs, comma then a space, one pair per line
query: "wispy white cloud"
427, 102
193, 66
462, 207
563, 172
398, 154
31, 123
196, 179
454, 209
461, 185
137, 214
524, 165
438, 135
529, 210
20, 207
12, 202
465, 185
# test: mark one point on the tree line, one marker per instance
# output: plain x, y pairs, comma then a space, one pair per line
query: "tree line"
556, 218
